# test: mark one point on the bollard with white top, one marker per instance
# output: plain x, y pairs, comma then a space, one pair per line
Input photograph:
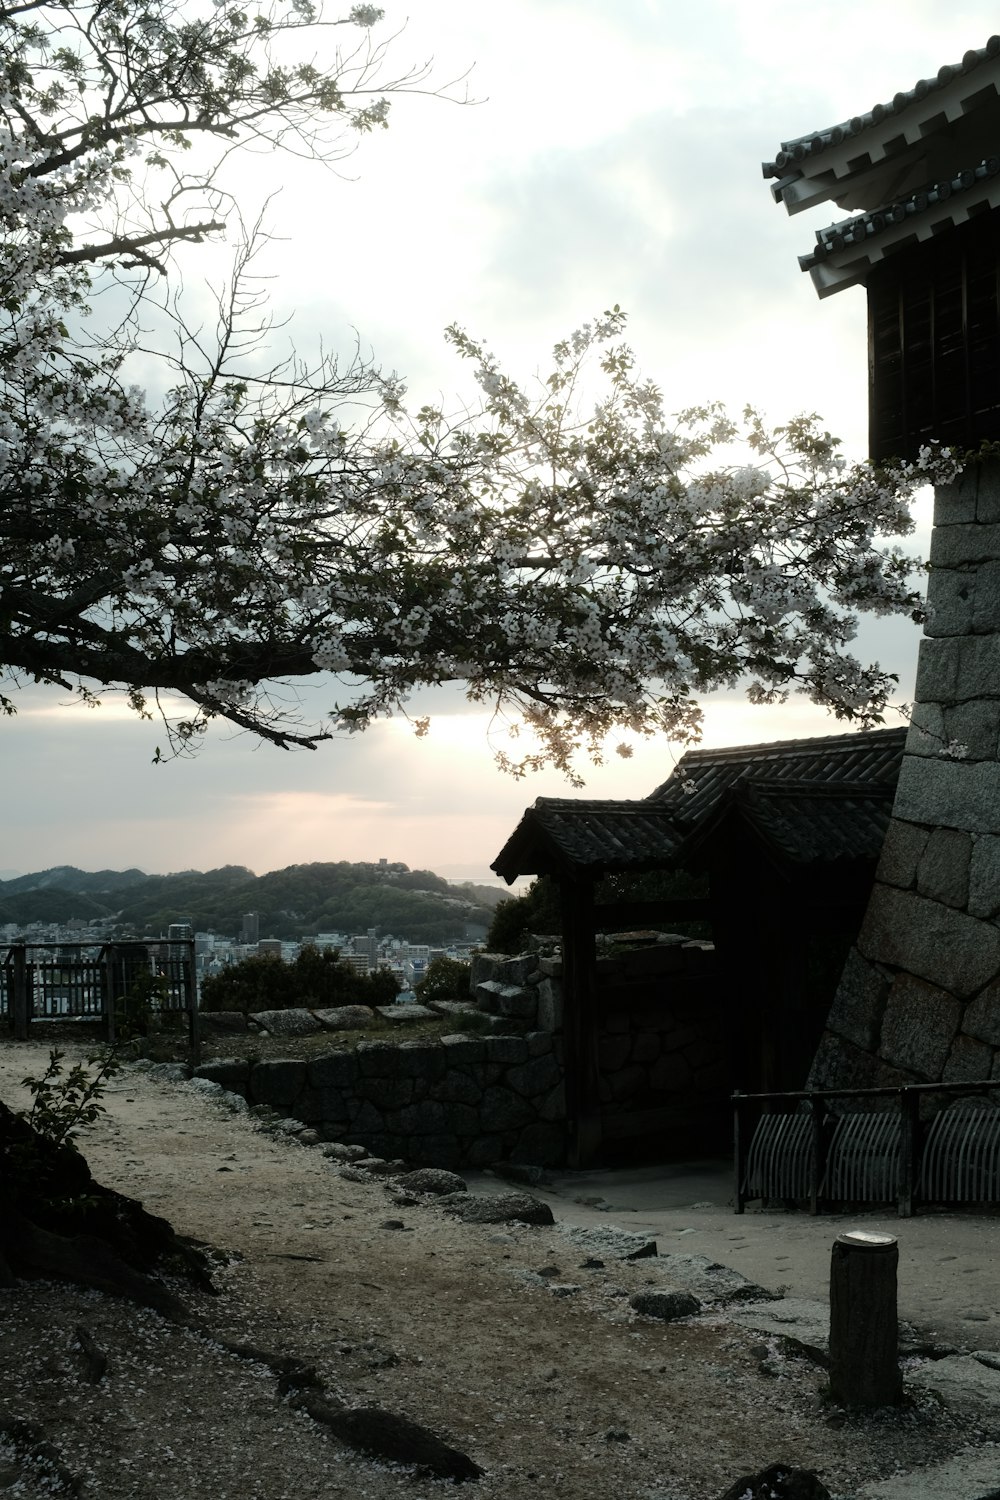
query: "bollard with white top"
864, 1327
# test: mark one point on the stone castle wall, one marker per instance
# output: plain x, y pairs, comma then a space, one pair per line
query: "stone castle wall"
919, 999
460, 1101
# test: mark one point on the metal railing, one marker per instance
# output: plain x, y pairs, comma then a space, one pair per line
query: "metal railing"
98, 981
884, 1148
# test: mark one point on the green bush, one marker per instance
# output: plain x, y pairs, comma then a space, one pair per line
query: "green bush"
317, 979
516, 918
444, 979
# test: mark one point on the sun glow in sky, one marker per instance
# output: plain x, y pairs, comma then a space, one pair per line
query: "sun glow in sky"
614, 156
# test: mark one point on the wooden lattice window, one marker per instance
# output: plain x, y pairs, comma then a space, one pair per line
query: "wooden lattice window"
934, 342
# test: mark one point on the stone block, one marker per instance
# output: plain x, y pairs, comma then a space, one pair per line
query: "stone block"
984, 877
484, 1150
653, 962
388, 1093
294, 1022
950, 793
982, 1016
462, 1051
937, 669
838, 1064
379, 1060
425, 1061
858, 1005
539, 1044
329, 1105
629, 1082
968, 1061
277, 1083
919, 1026
612, 1051
459, 1088
463, 1120
345, 1017
335, 1070
926, 733
517, 971
956, 504
943, 873
553, 1106
670, 1073
501, 999
403, 1015
506, 1049
429, 1117
367, 1121
986, 598
976, 725
502, 1110
534, 1078
484, 966
957, 545
550, 967
231, 1075
549, 1014
951, 594
978, 674
983, 481
646, 1047
901, 851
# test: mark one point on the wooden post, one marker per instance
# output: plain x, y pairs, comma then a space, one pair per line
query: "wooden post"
583, 1104
19, 986
909, 1102
739, 1202
864, 1330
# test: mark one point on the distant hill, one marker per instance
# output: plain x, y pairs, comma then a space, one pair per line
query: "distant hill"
294, 903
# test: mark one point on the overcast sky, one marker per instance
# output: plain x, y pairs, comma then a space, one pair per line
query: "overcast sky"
613, 156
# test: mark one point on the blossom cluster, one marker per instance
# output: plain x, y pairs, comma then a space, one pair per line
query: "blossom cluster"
581, 567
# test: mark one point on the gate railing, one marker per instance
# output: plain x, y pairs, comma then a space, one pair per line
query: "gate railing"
883, 1148
53, 981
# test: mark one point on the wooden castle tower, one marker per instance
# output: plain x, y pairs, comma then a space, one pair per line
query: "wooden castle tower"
919, 180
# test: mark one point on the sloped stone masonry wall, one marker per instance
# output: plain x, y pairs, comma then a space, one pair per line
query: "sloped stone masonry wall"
460, 1101
919, 999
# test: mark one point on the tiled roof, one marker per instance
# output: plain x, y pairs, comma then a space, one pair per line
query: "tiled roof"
802, 823
874, 755
920, 163
594, 836
558, 833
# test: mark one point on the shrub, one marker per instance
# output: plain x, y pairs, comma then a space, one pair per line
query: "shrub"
444, 979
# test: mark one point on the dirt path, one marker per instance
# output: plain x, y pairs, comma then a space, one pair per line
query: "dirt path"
500, 1338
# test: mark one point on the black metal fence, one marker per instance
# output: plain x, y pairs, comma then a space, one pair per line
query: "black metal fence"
922, 1143
108, 982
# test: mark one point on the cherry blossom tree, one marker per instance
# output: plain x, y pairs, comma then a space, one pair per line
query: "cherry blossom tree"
580, 560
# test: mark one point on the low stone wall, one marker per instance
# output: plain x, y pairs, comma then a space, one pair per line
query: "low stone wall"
460, 1101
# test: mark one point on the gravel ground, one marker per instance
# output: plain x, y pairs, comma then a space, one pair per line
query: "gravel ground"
508, 1341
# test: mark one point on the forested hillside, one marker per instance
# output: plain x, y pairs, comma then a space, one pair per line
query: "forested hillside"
296, 902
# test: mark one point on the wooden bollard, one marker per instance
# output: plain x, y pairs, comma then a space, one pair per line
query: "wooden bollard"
864, 1328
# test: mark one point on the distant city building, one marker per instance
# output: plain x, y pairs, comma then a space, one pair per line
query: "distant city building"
269, 946
251, 927
180, 932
